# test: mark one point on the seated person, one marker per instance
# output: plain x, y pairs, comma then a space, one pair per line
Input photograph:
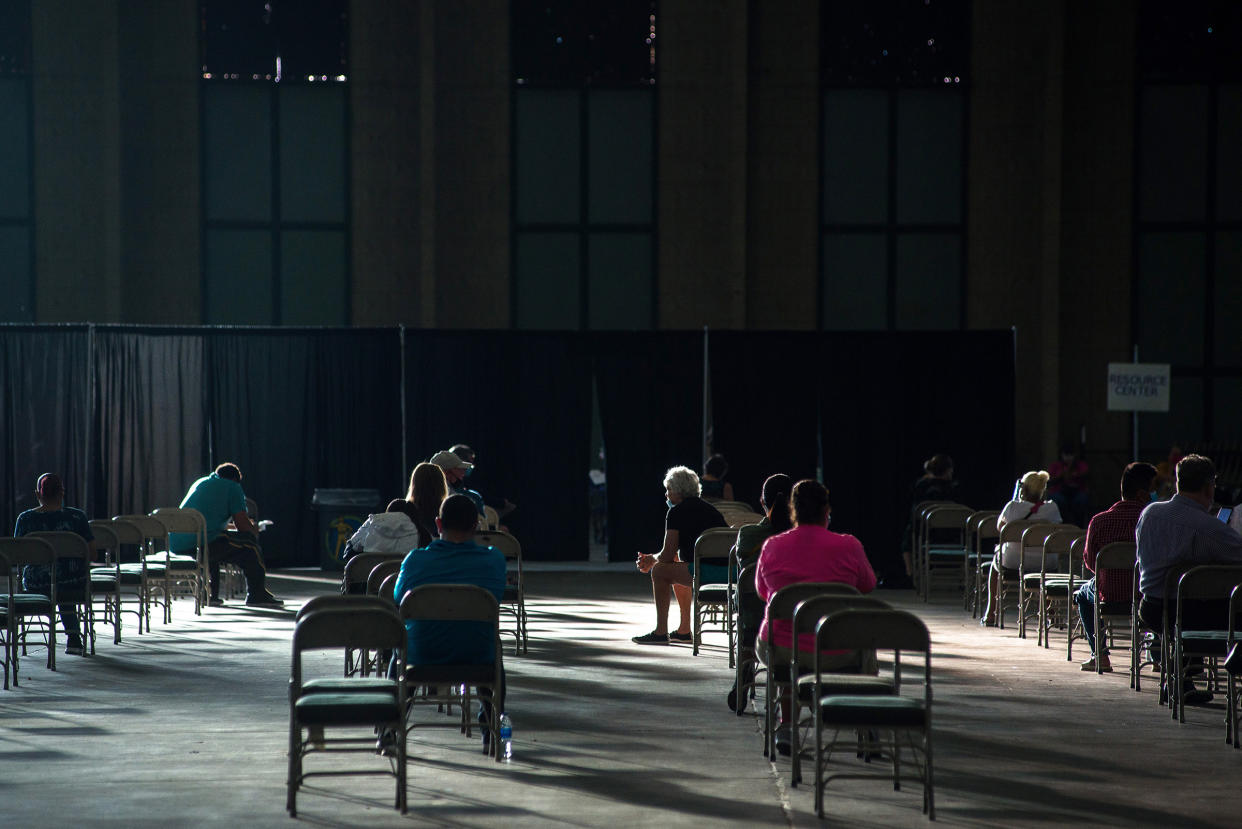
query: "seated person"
454, 558
809, 552
1178, 534
713, 484
1117, 523
775, 502
391, 531
428, 489
502, 505
53, 516
687, 518
455, 471
1028, 506
221, 500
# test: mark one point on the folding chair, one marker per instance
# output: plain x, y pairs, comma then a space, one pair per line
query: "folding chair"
154, 572
454, 684
1117, 557
1010, 533
186, 572
970, 562
315, 710
19, 606
781, 606
732, 506
71, 546
514, 601
917, 516
736, 518
380, 572
894, 630
105, 578
942, 555
745, 657
1028, 575
358, 570
132, 569
854, 680
1205, 583
6, 601
710, 603
1054, 588
1232, 670
986, 538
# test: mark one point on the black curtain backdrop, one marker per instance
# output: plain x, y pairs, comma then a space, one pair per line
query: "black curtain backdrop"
765, 406
522, 401
151, 418
44, 414
297, 410
890, 401
650, 388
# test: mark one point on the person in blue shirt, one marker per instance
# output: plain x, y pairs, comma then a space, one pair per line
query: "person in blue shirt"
53, 516
453, 558
221, 500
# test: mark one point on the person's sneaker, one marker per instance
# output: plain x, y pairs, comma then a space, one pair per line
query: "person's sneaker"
784, 740
1105, 666
73, 645
215, 601
687, 638
387, 743
652, 638
1197, 697
265, 600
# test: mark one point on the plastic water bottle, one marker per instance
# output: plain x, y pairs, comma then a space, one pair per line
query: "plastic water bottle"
506, 737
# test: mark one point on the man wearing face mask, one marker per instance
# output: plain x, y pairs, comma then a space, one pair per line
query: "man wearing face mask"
455, 470
687, 518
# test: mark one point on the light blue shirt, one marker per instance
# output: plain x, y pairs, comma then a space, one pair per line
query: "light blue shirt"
218, 499
1181, 531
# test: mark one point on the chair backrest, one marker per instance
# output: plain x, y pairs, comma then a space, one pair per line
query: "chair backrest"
947, 516
153, 530
450, 603
388, 588
809, 611
183, 520
127, 532
358, 569
785, 600
372, 628
861, 628
338, 602
491, 518
1013, 530
502, 541
105, 536
1059, 543
380, 572
1208, 581
740, 518
734, 506
1119, 555
746, 581
980, 517
27, 550
713, 546
66, 544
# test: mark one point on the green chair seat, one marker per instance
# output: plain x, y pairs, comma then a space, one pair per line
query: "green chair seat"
450, 674
135, 570
873, 711
350, 685
176, 561
347, 709
27, 603
844, 685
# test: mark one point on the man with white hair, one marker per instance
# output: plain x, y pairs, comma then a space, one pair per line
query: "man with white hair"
688, 517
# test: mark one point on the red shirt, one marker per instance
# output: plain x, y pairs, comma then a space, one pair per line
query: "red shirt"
1117, 523
808, 553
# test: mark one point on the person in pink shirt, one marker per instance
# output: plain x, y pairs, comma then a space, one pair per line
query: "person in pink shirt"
810, 552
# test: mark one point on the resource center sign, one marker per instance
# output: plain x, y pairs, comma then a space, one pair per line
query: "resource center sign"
1138, 387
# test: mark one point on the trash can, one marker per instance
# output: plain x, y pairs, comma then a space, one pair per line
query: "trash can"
341, 513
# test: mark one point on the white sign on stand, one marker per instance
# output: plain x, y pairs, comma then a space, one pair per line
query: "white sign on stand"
1138, 387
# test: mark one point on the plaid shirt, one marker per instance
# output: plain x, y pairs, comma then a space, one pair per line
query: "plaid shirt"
1117, 523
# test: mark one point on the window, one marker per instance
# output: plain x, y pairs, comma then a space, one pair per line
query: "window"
1188, 216
584, 164
892, 245
275, 162
16, 163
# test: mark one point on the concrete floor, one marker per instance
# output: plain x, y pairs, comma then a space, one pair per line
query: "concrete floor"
187, 726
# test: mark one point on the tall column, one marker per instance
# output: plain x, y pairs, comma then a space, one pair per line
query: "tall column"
782, 259
702, 163
76, 161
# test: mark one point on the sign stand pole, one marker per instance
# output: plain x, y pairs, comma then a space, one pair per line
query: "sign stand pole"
1134, 430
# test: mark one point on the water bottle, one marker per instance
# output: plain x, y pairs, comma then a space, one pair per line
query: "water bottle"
506, 737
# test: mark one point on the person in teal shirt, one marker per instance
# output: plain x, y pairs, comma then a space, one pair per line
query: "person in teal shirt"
220, 498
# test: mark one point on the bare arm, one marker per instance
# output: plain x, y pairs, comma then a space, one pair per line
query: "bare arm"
671, 538
242, 521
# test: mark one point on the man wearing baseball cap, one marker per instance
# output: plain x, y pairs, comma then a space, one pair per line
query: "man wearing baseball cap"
455, 473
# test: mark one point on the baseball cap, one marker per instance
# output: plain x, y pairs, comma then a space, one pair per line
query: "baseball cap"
447, 460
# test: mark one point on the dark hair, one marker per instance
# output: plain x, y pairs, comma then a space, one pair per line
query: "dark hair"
1136, 479
1194, 473
428, 487
49, 486
716, 466
938, 464
464, 452
401, 505
775, 497
459, 514
229, 471
810, 502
